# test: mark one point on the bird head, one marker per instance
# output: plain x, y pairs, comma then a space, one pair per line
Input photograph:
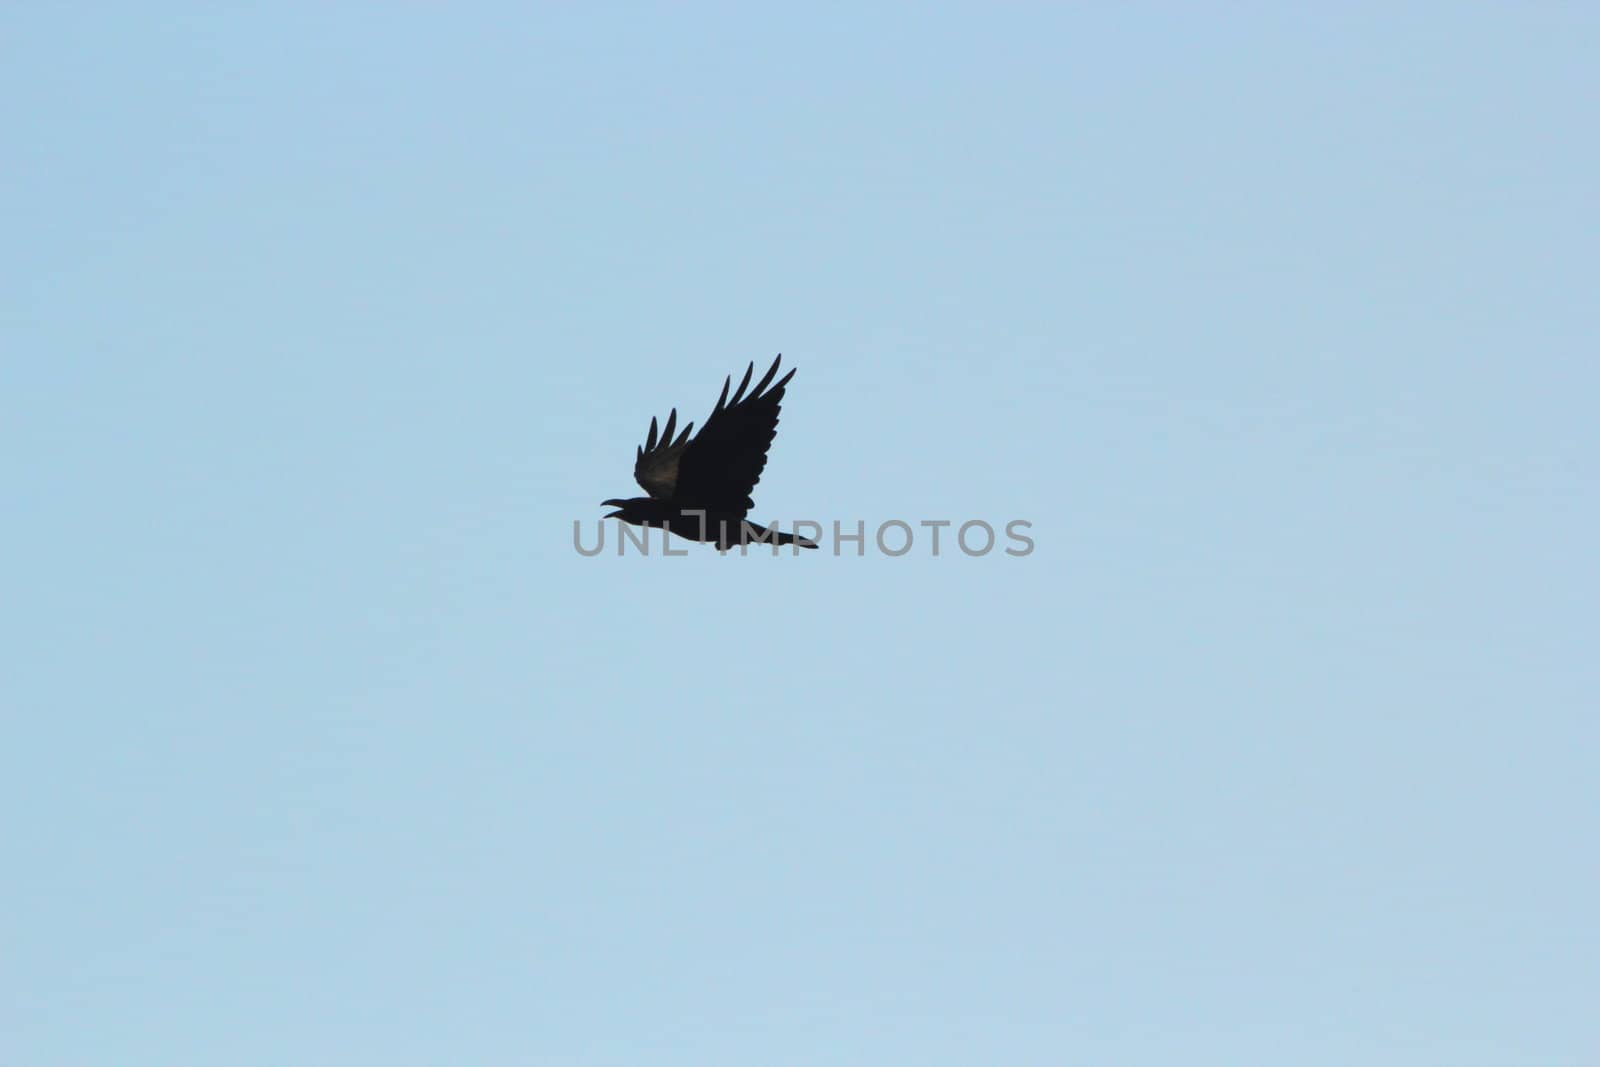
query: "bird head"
626, 509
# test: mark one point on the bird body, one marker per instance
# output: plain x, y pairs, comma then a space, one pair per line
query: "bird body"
723, 529
700, 486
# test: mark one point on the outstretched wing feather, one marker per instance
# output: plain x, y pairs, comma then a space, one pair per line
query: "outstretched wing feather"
723, 463
655, 466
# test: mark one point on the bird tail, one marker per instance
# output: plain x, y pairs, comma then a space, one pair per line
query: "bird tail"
768, 536
790, 539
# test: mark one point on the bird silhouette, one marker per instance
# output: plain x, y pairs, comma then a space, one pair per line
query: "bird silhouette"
700, 487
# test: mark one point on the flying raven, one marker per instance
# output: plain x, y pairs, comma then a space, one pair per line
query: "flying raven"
700, 488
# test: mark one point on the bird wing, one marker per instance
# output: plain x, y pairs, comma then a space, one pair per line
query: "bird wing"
720, 467
655, 464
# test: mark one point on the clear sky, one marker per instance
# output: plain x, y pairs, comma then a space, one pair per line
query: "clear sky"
320, 324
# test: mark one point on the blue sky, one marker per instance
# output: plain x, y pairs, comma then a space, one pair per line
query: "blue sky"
321, 745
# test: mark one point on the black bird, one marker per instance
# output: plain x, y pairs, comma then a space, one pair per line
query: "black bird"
700, 488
